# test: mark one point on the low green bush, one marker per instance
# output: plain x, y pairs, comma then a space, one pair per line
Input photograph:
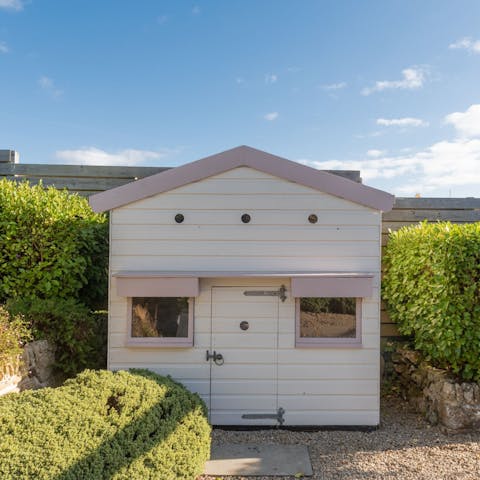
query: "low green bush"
14, 332
103, 425
78, 335
52, 245
431, 287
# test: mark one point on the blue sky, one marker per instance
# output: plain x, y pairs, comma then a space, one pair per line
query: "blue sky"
391, 88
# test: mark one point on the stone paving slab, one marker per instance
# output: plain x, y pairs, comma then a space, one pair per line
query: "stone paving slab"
259, 460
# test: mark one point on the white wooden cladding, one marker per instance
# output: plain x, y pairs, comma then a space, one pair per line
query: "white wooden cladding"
279, 217
333, 386
185, 247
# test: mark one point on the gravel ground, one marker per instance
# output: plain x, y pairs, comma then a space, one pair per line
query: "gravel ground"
404, 447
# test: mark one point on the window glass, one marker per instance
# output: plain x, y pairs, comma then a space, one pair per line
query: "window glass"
328, 317
160, 317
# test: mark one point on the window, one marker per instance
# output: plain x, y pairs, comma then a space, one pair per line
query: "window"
328, 321
158, 321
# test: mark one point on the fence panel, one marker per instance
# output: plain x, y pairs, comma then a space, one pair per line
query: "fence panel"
88, 179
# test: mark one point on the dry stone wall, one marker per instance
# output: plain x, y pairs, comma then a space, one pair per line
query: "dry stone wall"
32, 370
453, 404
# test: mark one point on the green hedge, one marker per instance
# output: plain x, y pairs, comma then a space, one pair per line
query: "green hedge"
431, 287
14, 333
51, 245
102, 425
78, 334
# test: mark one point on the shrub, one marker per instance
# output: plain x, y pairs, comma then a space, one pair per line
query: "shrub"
14, 332
76, 333
51, 245
432, 290
99, 425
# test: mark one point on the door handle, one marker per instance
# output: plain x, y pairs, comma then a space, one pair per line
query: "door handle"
216, 357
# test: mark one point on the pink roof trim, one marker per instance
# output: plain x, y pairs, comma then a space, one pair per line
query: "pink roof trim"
242, 157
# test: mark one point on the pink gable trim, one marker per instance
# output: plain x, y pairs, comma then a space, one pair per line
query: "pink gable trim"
242, 157
157, 287
332, 287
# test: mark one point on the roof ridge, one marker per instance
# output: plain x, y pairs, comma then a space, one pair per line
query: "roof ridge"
242, 156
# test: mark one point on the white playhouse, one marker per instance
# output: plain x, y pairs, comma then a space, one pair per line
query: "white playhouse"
254, 281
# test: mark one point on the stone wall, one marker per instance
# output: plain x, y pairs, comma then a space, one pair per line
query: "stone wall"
443, 399
33, 369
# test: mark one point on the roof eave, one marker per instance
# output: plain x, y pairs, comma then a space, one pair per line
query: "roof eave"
242, 156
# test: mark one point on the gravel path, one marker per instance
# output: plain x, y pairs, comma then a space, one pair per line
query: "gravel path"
404, 447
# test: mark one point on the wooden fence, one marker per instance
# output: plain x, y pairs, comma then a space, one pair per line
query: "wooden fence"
82, 179
86, 180
89, 179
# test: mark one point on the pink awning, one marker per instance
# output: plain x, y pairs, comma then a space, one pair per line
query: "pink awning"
332, 286
158, 286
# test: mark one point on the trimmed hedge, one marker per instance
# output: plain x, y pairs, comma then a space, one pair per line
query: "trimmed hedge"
124, 425
431, 287
52, 245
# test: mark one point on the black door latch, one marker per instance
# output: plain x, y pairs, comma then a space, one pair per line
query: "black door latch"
216, 357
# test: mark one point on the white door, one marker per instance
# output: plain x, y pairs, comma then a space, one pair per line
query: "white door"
243, 356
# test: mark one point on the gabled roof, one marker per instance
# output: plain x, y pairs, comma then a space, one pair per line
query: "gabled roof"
242, 156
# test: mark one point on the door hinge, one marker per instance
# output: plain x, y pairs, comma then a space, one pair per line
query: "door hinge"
260, 416
280, 293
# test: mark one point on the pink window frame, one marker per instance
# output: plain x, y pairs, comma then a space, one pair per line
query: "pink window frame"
165, 342
314, 342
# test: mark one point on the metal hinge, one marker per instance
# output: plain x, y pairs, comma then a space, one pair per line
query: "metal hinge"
280, 293
260, 416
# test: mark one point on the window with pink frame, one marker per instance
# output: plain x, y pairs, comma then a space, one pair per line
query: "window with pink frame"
329, 321
161, 321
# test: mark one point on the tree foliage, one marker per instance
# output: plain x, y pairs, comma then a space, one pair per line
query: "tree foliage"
14, 332
77, 334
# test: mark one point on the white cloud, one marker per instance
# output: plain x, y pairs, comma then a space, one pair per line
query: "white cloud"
271, 116
402, 122
4, 47
334, 86
413, 78
96, 156
11, 4
47, 84
373, 134
466, 43
376, 153
466, 123
436, 169
270, 78
371, 169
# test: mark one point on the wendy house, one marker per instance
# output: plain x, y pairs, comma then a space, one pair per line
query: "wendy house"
254, 281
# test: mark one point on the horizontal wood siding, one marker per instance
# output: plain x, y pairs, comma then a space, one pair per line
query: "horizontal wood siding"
145, 235
336, 386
